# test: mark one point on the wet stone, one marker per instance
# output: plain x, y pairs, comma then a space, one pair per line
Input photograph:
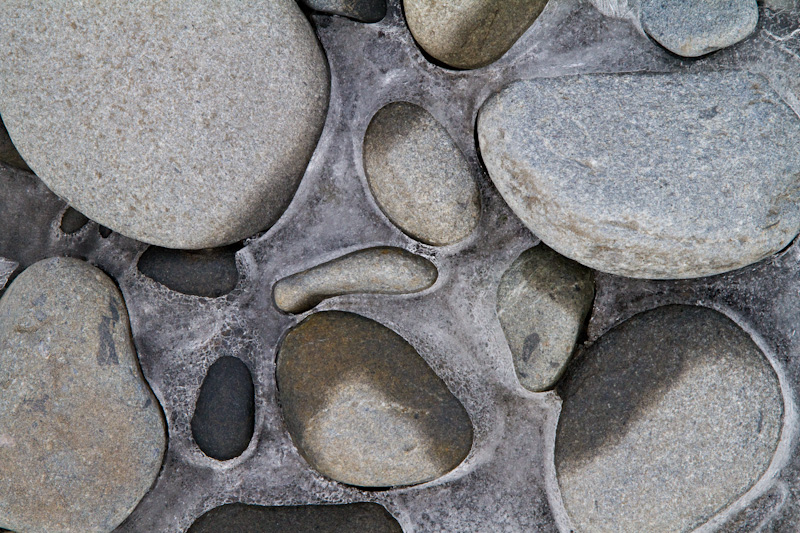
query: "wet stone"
211, 273
224, 415
361, 10
666, 420
350, 518
375, 271
188, 128
469, 33
649, 176
8, 152
73, 221
364, 408
81, 435
419, 177
696, 28
542, 304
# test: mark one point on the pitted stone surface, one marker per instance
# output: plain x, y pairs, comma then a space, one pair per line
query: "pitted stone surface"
696, 28
651, 176
361, 10
469, 33
189, 125
81, 435
542, 304
364, 408
418, 175
375, 271
666, 420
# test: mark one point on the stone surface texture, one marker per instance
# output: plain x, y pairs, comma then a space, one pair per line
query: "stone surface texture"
692, 29
374, 271
361, 10
419, 176
210, 273
364, 408
190, 125
542, 303
651, 176
469, 34
667, 419
81, 435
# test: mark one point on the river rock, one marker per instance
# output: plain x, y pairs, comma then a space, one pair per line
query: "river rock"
542, 304
81, 435
648, 175
361, 10
418, 175
666, 420
364, 408
696, 28
210, 273
181, 124
374, 271
469, 33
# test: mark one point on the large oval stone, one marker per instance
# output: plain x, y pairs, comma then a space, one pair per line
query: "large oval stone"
420, 178
652, 176
364, 408
81, 435
176, 123
666, 420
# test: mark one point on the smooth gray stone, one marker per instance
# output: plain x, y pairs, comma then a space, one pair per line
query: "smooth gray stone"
374, 271
542, 304
183, 124
361, 10
666, 420
418, 175
81, 435
648, 175
697, 27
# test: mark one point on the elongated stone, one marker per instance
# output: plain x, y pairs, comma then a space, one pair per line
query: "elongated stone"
418, 175
650, 176
376, 271
81, 435
364, 408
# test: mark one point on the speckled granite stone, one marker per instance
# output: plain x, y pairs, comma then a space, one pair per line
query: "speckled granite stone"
418, 175
666, 420
361, 10
81, 435
181, 124
651, 176
698, 27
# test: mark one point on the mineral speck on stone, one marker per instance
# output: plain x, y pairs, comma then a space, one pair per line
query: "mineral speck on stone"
697, 27
469, 33
364, 408
375, 270
361, 10
666, 420
182, 124
542, 304
81, 435
419, 176
648, 176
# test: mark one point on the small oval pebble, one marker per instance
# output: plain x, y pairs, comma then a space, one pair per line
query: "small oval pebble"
666, 420
361, 10
375, 271
224, 416
418, 175
210, 273
364, 408
81, 435
73, 221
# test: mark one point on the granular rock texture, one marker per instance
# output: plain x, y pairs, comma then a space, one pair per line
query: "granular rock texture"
651, 176
179, 124
81, 435
667, 419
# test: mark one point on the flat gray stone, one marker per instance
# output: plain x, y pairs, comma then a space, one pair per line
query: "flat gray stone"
418, 175
81, 435
650, 176
374, 271
469, 33
542, 304
174, 123
699, 27
364, 408
666, 420
361, 10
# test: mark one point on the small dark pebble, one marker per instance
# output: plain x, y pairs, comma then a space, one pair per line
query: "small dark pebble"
210, 273
72, 221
